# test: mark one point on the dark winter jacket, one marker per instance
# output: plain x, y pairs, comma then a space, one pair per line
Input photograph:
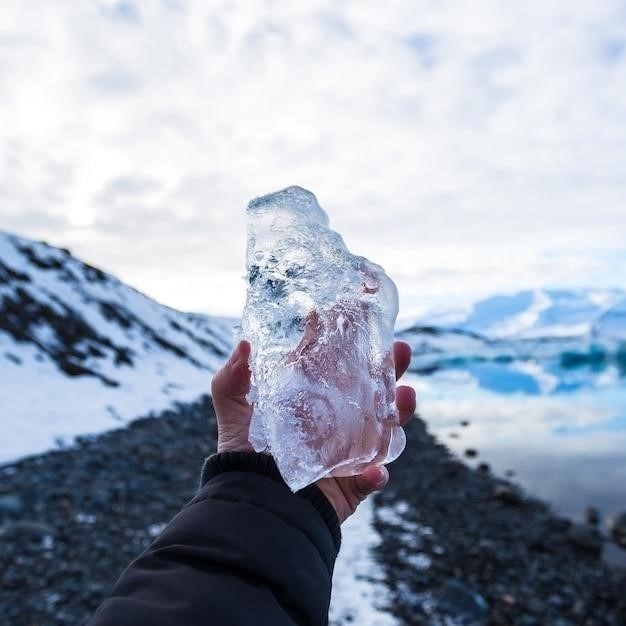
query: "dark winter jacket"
244, 551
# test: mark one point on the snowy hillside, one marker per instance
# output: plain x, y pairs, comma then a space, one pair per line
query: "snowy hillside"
81, 352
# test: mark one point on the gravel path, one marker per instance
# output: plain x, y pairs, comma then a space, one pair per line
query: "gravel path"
451, 552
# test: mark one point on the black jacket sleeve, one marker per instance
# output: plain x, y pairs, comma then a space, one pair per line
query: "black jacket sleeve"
244, 551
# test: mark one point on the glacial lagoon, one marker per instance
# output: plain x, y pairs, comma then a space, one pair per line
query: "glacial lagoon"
558, 432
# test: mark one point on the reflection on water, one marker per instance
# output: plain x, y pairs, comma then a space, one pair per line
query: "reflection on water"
503, 379
561, 431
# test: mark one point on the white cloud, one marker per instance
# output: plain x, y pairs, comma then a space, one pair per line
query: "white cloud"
464, 145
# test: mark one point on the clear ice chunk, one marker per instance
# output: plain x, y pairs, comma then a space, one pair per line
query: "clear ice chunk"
320, 322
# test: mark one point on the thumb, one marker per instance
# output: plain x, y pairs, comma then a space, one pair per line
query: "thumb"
372, 479
233, 379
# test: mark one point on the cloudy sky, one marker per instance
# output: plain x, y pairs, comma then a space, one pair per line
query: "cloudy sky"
468, 146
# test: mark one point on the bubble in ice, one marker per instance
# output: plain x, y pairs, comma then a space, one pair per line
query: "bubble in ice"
320, 322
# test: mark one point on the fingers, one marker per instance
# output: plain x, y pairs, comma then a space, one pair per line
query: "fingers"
405, 396
406, 403
240, 370
233, 379
373, 478
401, 357
241, 354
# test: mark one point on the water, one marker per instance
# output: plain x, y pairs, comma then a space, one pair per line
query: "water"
565, 443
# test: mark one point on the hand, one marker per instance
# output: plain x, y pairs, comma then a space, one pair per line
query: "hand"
232, 383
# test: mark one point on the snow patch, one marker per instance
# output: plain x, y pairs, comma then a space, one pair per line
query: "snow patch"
359, 595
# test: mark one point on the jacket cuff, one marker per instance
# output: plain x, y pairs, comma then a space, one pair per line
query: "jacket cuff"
264, 464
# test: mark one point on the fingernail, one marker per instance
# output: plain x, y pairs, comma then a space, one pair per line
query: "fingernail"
381, 476
238, 348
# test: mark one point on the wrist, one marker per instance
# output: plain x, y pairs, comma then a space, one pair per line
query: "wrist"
233, 440
230, 445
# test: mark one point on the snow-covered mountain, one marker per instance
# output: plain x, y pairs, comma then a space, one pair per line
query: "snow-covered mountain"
530, 314
611, 326
81, 352
545, 340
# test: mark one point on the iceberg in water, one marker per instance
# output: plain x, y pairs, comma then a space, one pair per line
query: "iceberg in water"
320, 321
612, 325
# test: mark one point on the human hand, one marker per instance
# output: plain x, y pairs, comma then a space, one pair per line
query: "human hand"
229, 389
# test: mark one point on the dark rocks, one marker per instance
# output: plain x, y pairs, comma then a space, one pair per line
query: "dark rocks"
84, 513
488, 549
585, 536
28, 533
508, 494
498, 542
471, 453
461, 601
618, 529
592, 516
10, 503
13, 358
451, 467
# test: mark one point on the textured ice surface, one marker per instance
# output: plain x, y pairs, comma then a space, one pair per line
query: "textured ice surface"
320, 321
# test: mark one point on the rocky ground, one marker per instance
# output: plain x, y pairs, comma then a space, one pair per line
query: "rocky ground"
75, 518
461, 545
458, 546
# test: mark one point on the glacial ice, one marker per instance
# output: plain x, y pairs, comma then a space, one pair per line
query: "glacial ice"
320, 322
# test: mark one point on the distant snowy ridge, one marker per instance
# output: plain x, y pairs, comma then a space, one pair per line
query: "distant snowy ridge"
542, 335
529, 314
81, 352
612, 324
